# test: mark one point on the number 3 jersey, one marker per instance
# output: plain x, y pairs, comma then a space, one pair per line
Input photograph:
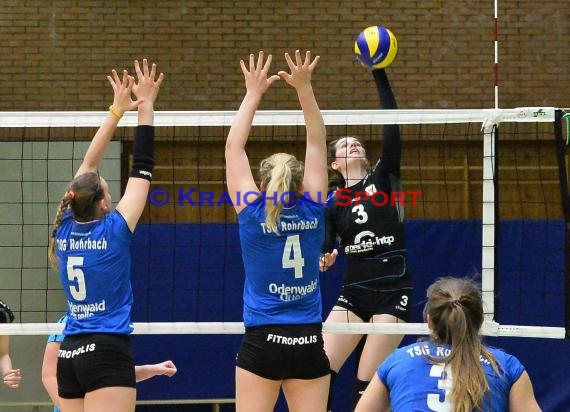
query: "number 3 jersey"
94, 267
282, 270
368, 219
416, 384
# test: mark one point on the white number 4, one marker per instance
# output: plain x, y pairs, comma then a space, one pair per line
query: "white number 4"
75, 273
292, 257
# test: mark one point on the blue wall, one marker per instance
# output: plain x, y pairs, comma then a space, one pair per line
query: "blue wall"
194, 273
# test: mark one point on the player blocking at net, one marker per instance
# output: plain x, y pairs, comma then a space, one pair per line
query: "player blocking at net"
282, 346
90, 248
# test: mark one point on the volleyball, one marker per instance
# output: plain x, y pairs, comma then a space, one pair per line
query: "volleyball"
376, 47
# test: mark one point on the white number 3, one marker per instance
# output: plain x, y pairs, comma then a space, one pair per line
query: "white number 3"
445, 383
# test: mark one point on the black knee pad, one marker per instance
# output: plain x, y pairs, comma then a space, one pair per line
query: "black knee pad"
357, 391
329, 400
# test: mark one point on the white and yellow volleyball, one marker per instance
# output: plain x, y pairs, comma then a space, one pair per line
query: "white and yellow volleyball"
376, 47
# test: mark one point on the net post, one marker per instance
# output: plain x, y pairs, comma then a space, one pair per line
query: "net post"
489, 234
561, 148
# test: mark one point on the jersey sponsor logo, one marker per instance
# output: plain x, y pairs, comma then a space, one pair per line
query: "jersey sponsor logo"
291, 293
286, 340
67, 354
85, 310
366, 241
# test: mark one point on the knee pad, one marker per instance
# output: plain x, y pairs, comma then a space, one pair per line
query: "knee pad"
357, 391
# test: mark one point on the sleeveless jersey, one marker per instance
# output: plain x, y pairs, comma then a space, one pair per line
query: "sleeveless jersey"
282, 270
95, 265
415, 384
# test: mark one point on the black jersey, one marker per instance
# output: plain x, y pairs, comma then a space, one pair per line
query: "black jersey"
368, 217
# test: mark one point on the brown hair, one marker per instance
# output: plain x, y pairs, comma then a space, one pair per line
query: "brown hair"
336, 179
455, 310
281, 174
82, 196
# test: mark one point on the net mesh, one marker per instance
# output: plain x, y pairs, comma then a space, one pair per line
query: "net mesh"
187, 270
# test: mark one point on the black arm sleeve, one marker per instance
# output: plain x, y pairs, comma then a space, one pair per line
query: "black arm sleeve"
391, 142
330, 233
143, 153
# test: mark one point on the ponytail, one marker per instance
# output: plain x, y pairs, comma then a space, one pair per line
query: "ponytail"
282, 176
82, 197
455, 312
63, 206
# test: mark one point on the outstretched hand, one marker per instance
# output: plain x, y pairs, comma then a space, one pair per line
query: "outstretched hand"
301, 71
256, 80
147, 85
122, 102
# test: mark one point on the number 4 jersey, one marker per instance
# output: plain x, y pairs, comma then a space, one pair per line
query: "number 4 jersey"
282, 270
94, 268
415, 384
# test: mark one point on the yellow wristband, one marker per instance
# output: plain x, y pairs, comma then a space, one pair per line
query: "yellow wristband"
114, 113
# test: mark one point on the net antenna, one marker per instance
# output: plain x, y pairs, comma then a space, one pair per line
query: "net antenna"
496, 34
488, 118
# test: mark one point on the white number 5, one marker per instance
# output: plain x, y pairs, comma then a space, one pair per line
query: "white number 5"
75, 273
292, 257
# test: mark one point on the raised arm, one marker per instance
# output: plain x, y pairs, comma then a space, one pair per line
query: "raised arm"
146, 90
391, 142
238, 171
122, 103
316, 175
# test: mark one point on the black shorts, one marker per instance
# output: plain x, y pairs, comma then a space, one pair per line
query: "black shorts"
365, 303
94, 361
280, 352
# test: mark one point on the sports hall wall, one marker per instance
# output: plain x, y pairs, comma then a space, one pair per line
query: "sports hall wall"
56, 56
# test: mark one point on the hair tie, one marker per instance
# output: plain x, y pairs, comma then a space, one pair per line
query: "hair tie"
53, 233
457, 303
71, 194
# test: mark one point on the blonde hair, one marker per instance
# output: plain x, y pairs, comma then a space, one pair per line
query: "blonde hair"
281, 175
81, 197
455, 310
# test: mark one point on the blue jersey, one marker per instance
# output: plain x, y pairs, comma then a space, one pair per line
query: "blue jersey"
95, 265
282, 270
415, 384
58, 337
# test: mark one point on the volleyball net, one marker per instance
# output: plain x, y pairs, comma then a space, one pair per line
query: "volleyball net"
485, 196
